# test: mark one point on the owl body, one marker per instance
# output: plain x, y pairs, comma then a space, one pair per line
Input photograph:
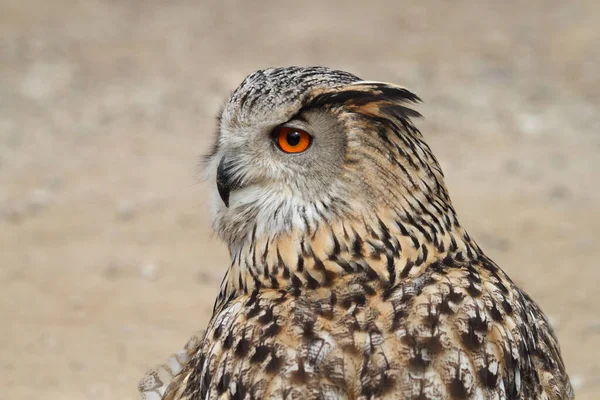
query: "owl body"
351, 277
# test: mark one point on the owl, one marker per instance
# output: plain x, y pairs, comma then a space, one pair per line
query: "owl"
350, 274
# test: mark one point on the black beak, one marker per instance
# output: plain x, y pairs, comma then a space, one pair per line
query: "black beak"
226, 183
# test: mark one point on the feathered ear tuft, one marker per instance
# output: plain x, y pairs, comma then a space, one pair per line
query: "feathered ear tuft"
367, 97
390, 91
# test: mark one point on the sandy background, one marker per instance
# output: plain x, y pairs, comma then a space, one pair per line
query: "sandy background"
107, 264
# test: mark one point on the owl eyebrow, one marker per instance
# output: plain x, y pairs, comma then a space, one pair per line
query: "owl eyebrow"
299, 117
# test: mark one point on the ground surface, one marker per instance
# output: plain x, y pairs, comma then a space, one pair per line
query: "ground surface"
106, 260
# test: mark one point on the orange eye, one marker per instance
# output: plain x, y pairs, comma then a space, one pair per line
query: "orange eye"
291, 140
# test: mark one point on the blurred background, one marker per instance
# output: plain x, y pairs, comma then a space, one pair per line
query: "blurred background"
107, 263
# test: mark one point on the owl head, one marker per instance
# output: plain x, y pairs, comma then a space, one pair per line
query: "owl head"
301, 146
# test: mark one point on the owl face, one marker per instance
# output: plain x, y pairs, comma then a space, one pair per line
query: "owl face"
296, 146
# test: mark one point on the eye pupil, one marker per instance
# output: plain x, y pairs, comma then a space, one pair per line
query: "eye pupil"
293, 138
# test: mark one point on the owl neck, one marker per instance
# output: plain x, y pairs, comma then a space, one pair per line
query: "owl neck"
385, 245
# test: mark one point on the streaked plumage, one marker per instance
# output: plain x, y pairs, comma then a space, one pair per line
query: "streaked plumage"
350, 275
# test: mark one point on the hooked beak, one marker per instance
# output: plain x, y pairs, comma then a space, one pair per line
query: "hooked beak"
226, 183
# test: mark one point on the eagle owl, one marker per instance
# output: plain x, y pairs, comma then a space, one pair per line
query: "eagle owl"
350, 276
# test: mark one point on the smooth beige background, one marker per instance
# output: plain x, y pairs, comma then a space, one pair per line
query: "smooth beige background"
106, 260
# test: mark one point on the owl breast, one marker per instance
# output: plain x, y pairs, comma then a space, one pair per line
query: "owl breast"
449, 333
